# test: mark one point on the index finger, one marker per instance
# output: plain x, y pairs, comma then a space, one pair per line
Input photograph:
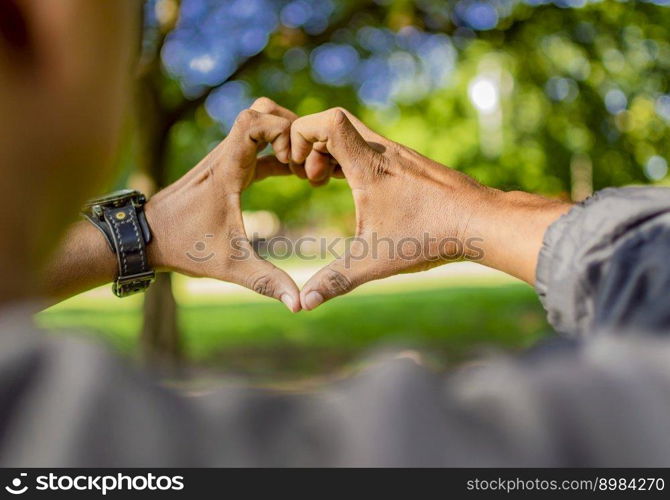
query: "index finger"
333, 129
269, 107
252, 128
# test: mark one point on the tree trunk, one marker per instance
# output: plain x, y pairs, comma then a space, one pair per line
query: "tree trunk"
161, 340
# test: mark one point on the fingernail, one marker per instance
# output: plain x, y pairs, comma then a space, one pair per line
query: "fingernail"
313, 299
288, 301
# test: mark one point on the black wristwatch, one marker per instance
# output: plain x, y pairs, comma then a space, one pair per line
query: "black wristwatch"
120, 217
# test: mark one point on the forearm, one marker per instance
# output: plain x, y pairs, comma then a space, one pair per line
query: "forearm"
82, 261
511, 228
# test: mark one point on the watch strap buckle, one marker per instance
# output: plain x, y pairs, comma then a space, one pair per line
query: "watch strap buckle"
134, 283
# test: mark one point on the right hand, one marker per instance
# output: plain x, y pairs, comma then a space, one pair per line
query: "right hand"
412, 213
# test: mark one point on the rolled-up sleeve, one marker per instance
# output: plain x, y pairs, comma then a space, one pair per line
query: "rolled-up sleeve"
606, 263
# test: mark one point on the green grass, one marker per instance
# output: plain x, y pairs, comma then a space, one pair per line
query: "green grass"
262, 338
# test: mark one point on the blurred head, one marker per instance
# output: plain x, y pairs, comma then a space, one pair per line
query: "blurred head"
65, 80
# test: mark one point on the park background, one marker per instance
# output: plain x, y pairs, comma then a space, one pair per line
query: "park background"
560, 98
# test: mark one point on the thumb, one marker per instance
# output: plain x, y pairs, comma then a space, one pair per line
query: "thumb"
270, 166
338, 278
266, 279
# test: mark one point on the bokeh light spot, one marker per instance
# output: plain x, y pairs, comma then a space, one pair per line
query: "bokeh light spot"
656, 168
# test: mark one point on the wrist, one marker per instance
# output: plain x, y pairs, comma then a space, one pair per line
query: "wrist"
511, 229
158, 251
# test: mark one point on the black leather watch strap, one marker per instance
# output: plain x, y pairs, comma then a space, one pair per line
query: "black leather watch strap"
135, 275
121, 219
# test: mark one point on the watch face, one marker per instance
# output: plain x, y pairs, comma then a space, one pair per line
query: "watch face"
121, 195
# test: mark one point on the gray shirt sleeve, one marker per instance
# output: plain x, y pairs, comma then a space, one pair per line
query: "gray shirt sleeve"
604, 265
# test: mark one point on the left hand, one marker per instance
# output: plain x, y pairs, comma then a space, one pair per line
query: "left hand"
197, 221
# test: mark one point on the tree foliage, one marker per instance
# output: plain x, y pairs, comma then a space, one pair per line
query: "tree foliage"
511, 92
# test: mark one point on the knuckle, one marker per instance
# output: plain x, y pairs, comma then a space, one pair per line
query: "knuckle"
395, 149
336, 282
263, 285
339, 109
284, 126
264, 104
379, 166
298, 128
297, 124
247, 117
338, 114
